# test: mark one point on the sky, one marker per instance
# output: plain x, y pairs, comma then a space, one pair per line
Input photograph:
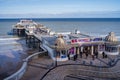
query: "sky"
59, 8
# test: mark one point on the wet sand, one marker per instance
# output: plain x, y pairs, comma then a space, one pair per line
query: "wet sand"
12, 53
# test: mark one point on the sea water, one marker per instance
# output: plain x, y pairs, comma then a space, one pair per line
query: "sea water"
11, 49
10, 46
92, 26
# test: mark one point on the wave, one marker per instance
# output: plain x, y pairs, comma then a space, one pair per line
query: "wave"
8, 43
9, 38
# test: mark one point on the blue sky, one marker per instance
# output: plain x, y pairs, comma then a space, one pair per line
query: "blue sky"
59, 8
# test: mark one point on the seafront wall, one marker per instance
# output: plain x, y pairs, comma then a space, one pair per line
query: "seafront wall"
18, 75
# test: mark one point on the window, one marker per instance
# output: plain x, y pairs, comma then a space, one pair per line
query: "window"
111, 48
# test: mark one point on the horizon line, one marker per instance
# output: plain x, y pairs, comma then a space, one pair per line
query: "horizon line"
63, 18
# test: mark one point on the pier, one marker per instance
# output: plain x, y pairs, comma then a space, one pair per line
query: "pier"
74, 56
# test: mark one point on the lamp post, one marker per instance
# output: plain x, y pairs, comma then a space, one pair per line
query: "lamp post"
56, 56
56, 61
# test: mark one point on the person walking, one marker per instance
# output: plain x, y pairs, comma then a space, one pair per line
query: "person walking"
81, 53
75, 57
96, 54
103, 54
86, 55
68, 55
93, 57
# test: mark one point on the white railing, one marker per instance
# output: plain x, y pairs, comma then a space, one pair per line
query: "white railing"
22, 70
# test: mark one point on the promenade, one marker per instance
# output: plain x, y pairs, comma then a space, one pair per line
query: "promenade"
43, 68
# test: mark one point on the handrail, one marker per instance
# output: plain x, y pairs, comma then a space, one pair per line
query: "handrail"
17, 75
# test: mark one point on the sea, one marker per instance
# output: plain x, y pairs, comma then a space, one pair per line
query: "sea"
11, 48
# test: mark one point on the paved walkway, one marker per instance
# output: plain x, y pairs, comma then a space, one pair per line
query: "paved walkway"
96, 73
38, 67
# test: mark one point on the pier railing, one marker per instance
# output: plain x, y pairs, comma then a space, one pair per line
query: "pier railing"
18, 75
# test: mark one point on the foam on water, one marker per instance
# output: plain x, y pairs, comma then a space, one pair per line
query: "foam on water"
9, 39
11, 50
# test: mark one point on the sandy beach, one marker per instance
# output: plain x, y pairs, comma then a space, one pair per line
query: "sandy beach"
12, 53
